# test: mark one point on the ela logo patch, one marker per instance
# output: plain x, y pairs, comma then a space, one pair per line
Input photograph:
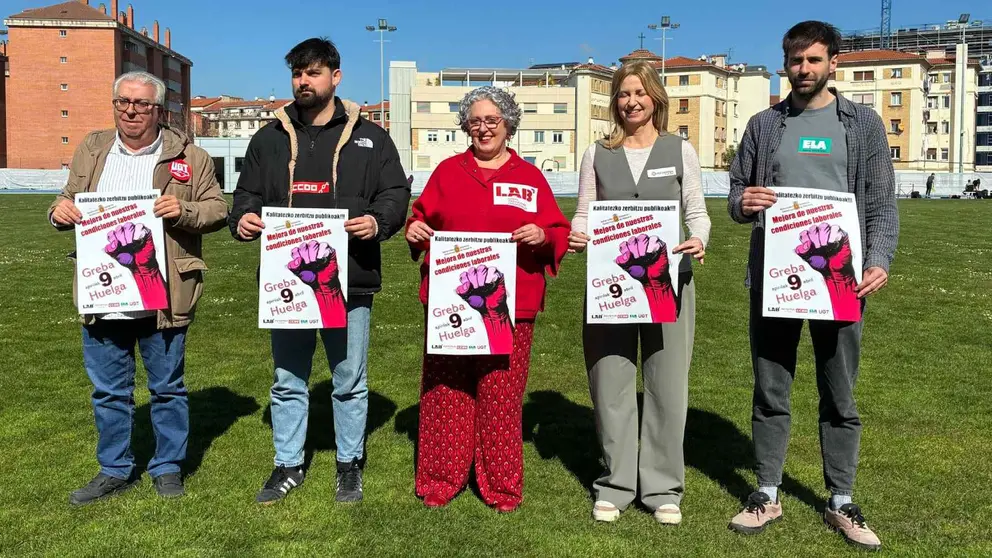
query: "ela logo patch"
815, 146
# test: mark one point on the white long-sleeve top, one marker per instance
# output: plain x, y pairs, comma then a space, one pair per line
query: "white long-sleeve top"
693, 203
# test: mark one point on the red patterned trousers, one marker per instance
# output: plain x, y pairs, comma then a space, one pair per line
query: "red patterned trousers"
472, 407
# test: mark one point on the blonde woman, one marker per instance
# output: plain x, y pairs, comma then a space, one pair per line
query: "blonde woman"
617, 168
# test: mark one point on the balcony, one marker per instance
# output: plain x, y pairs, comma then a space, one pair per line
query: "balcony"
981, 129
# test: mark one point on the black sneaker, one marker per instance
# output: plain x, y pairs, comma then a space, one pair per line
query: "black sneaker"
169, 485
102, 486
281, 481
349, 483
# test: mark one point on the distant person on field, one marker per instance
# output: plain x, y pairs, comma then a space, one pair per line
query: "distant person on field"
650, 464
140, 155
770, 141
930, 180
320, 140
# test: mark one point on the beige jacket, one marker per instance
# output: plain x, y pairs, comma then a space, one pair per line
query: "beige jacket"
204, 210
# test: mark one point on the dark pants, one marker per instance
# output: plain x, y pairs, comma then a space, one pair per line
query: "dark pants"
108, 354
837, 347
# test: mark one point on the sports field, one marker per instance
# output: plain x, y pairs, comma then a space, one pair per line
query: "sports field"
925, 395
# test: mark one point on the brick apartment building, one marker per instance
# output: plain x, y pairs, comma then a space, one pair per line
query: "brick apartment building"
376, 112
63, 60
3, 106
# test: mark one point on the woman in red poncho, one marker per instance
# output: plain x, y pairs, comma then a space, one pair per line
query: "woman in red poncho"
471, 406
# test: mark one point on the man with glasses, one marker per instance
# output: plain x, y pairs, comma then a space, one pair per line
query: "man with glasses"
320, 153
142, 154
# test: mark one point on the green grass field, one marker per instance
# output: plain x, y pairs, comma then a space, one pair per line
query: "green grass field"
924, 396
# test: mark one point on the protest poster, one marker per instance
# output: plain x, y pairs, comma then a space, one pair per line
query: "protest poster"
631, 271
471, 298
303, 274
813, 256
120, 253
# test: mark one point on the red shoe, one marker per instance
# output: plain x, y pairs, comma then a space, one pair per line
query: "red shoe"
506, 506
435, 501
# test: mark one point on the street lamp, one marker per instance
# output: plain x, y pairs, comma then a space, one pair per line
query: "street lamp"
963, 22
664, 25
382, 27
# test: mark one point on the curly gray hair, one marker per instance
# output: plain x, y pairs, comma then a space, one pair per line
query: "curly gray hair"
503, 99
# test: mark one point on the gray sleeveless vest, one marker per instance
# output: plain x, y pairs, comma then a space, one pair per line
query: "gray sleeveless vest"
614, 181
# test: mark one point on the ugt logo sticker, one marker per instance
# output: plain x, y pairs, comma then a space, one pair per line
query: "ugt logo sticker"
180, 170
815, 146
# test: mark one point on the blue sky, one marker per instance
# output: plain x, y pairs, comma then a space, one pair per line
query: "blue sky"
237, 46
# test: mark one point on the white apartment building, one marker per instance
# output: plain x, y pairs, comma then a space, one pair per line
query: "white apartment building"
566, 107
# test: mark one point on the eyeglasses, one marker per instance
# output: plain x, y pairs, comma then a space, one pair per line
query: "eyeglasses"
490, 122
141, 106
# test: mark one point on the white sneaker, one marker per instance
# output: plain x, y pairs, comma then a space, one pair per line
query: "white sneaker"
605, 511
669, 514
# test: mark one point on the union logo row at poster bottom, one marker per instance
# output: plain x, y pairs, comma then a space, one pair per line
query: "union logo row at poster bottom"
472, 289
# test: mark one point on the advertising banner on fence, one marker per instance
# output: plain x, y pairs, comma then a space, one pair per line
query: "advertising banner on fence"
631, 272
120, 253
472, 290
303, 279
813, 256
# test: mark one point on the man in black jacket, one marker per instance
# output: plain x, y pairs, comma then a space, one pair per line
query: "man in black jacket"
319, 153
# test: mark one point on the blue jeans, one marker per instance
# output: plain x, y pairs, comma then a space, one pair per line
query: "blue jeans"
108, 354
347, 353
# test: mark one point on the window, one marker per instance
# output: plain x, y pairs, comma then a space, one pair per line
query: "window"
64, 86
375, 116
683, 105
931, 102
560, 163
530, 108
931, 127
561, 108
239, 163
944, 152
65, 166
945, 127
251, 124
557, 137
423, 161
895, 99
735, 135
63, 59
453, 107
531, 160
895, 126
897, 73
450, 136
237, 125
65, 140
736, 85
864, 75
932, 154
65, 114
423, 107
867, 99
684, 132
538, 136
432, 136
947, 77
894, 152
719, 83
683, 80
62, 33
947, 101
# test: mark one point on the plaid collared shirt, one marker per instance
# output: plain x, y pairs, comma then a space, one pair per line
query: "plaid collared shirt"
870, 178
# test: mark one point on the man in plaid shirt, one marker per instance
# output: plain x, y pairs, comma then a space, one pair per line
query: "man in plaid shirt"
857, 161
